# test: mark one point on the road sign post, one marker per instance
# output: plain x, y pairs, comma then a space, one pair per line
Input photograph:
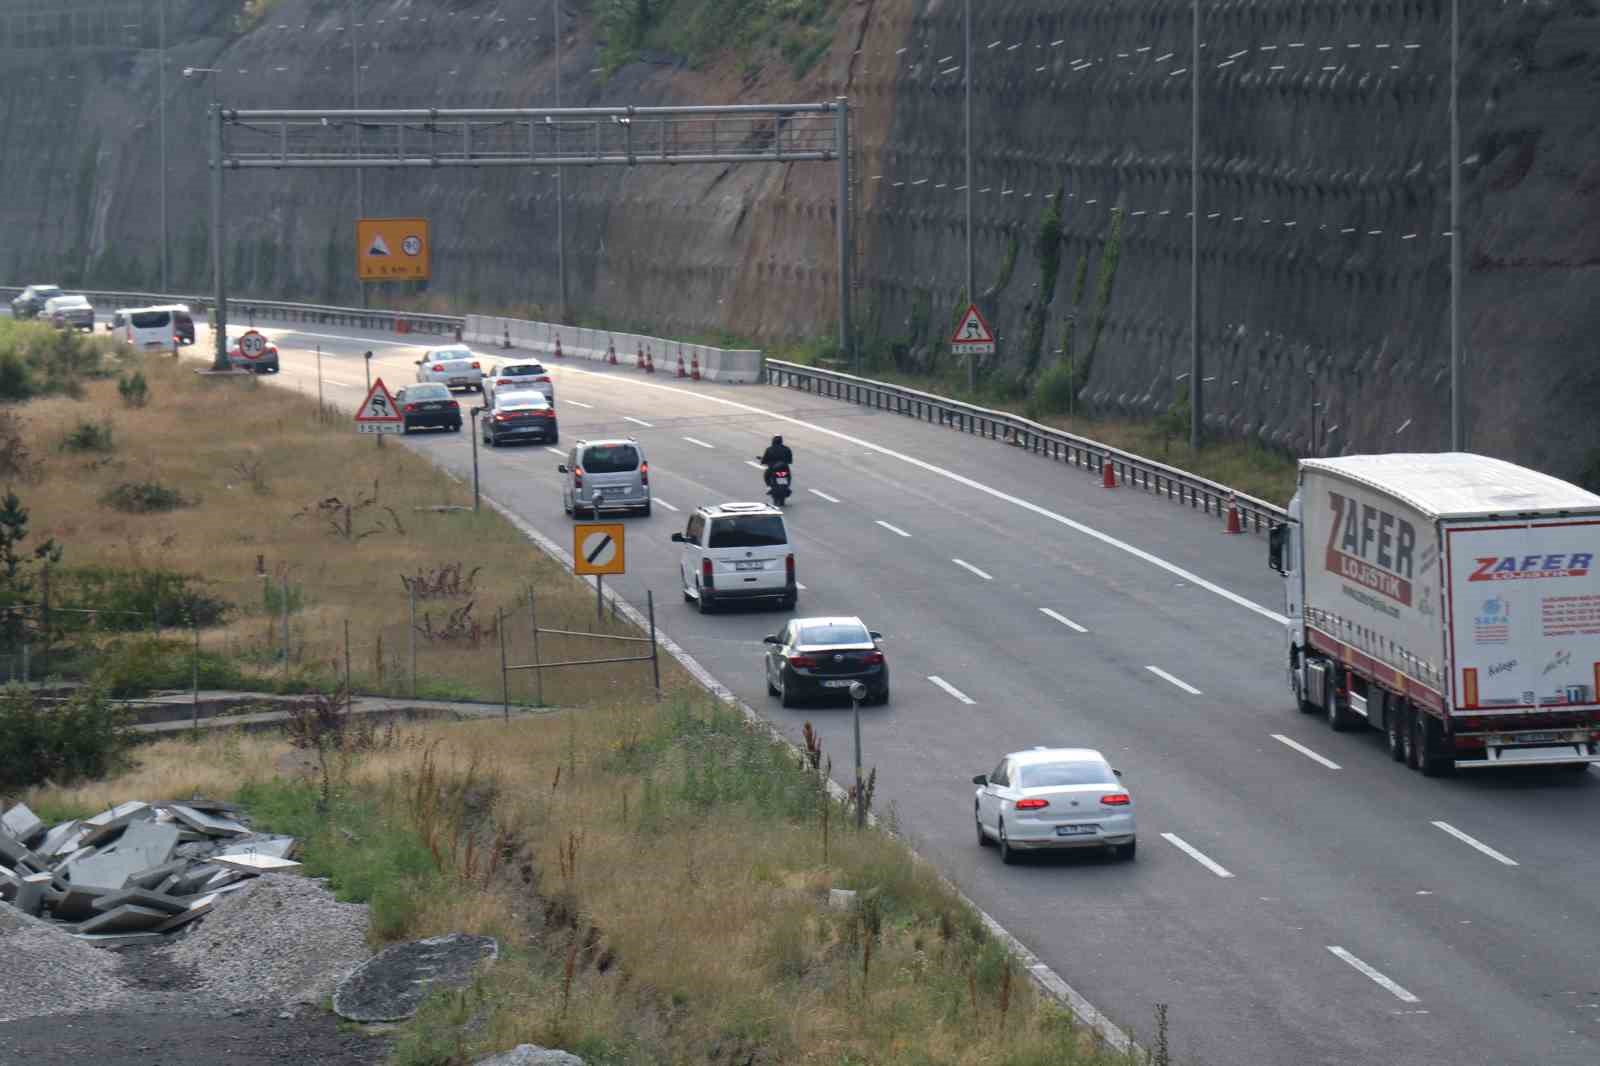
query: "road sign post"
377, 414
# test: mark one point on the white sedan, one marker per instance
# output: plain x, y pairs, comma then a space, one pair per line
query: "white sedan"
454, 367
515, 376
1054, 798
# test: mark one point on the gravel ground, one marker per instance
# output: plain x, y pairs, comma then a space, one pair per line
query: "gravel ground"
48, 972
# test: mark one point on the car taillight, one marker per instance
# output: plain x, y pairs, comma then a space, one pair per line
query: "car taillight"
705, 573
437, 367
502, 417
577, 478
802, 660
1116, 799
410, 407
788, 568
454, 406
475, 366
1032, 804
873, 658
542, 381
644, 473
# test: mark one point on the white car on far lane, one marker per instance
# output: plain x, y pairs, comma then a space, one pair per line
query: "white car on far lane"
1054, 798
527, 374
454, 366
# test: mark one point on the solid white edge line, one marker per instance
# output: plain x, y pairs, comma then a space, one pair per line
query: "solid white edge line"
1474, 843
701, 443
978, 486
663, 503
801, 587
893, 529
1383, 982
1163, 675
1303, 750
1043, 975
824, 495
1063, 619
968, 566
1196, 854
952, 690
639, 422
580, 403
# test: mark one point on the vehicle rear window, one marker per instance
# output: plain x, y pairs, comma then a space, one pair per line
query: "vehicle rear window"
525, 371
427, 392
1056, 774
835, 634
748, 531
523, 398
149, 319
448, 354
610, 458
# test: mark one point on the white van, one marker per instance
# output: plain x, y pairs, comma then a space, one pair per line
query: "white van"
735, 552
150, 329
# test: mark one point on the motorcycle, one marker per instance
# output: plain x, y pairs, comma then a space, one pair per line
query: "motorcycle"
778, 484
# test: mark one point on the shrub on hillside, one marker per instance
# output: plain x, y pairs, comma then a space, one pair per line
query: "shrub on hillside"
139, 666
88, 436
145, 497
132, 597
134, 390
83, 737
16, 456
37, 359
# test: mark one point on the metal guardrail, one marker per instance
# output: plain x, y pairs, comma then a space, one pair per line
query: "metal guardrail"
1131, 470
244, 311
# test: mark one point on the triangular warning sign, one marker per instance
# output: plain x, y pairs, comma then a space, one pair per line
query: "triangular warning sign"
972, 329
379, 406
379, 245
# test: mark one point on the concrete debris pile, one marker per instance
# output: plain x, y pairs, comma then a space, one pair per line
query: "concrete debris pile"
134, 873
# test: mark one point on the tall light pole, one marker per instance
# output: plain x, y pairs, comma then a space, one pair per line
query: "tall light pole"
1196, 406
355, 102
166, 279
561, 199
219, 328
1457, 430
972, 294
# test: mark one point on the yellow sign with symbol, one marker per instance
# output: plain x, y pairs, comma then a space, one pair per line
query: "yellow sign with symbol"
597, 548
392, 249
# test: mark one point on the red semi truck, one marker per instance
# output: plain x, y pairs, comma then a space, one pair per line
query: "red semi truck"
1449, 600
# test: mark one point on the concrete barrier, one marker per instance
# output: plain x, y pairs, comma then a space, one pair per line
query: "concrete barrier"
725, 366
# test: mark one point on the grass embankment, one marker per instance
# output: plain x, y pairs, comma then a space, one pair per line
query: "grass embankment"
657, 876
220, 501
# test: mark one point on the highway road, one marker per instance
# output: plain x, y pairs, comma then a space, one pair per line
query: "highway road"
1298, 898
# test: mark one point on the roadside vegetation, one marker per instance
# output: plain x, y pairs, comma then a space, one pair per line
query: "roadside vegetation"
800, 32
658, 878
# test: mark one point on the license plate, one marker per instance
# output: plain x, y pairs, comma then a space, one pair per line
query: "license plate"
1073, 830
458, 381
837, 684
747, 566
1536, 738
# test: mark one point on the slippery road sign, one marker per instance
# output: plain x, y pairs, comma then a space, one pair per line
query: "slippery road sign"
973, 335
392, 249
597, 548
377, 414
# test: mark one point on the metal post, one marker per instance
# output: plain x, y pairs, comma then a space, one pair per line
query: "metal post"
219, 292
1457, 431
285, 593
861, 788
505, 674
561, 200
161, 81
349, 686
194, 679
538, 671
412, 595
1196, 406
355, 102
44, 669
475, 458
655, 652
599, 601
842, 136
319, 383
972, 293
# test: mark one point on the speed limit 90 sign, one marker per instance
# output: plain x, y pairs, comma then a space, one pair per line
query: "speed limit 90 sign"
252, 345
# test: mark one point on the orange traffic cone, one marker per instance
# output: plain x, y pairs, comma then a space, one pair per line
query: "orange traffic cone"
639, 359
1108, 472
611, 354
649, 361
694, 366
1234, 525
682, 373
558, 347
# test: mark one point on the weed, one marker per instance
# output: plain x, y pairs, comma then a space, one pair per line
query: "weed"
17, 462
83, 736
441, 582
145, 497
88, 437
340, 516
251, 471
134, 389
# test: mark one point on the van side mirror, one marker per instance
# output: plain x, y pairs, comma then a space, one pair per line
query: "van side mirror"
980, 779
875, 635
1277, 541
1117, 772
418, 362
771, 638
562, 469
677, 538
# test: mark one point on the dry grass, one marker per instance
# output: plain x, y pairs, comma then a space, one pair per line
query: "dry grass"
257, 460
659, 888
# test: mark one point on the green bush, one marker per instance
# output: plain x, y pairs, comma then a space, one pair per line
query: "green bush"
1052, 393
135, 391
145, 497
139, 666
15, 381
37, 359
83, 737
88, 436
174, 599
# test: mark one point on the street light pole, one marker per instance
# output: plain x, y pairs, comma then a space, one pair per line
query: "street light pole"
355, 102
1196, 406
161, 81
561, 199
219, 292
972, 295
1457, 431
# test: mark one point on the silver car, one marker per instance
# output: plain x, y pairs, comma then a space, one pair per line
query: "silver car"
514, 377
455, 367
1054, 798
605, 475
71, 311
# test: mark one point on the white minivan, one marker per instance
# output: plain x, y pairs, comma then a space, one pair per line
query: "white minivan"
734, 552
150, 329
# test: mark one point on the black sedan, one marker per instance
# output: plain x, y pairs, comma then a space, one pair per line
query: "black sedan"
428, 406
815, 657
514, 416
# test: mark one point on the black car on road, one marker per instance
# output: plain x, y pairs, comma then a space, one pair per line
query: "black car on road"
31, 300
428, 406
524, 415
816, 657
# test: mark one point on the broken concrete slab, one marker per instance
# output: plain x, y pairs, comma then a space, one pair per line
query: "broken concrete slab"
141, 897
214, 825
129, 918
197, 908
531, 1055
144, 845
17, 855
61, 840
120, 940
101, 828
210, 806
77, 903
280, 847
157, 874
392, 984
255, 864
31, 890
22, 823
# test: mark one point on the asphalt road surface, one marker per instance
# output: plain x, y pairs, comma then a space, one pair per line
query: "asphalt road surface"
1298, 899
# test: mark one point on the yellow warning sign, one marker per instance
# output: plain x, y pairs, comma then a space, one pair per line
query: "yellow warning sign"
392, 249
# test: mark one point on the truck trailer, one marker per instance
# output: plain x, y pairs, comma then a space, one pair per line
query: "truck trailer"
1449, 600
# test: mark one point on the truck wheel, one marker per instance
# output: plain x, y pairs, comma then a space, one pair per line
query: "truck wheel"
1396, 734
1435, 759
1338, 717
1413, 728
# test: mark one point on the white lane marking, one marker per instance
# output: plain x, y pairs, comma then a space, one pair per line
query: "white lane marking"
893, 529
701, 443
1063, 619
663, 503
1303, 750
1382, 981
824, 495
968, 566
1196, 854
750, 462
579, 403
978, 486
1163, 675
952, 690
1480, 845
801, 587
554, 451
269, 330
638, 422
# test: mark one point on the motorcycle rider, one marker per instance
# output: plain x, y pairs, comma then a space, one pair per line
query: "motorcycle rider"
776, 455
